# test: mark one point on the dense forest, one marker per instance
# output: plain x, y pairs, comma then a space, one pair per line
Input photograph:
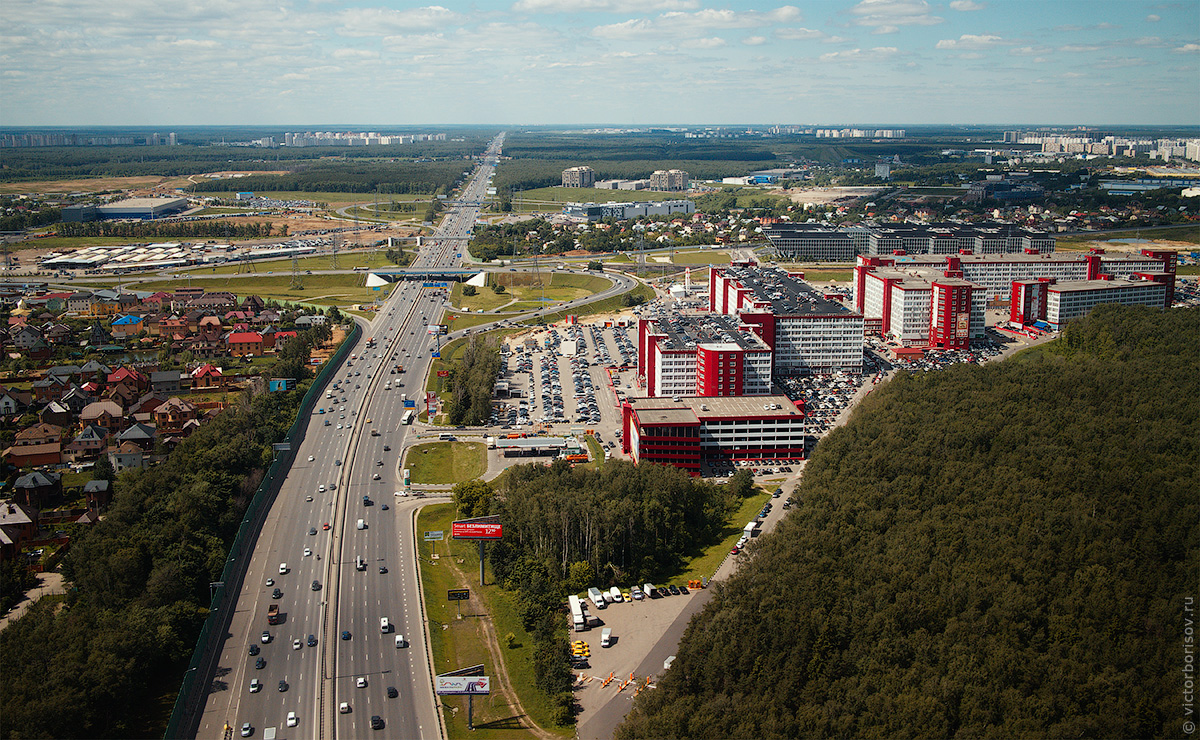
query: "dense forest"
207, 229
139, 583
472, 380
996, 551
337, 176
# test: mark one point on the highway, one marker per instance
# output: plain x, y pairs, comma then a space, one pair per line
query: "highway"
349, 463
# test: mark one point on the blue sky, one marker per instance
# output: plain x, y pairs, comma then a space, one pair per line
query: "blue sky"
622, 62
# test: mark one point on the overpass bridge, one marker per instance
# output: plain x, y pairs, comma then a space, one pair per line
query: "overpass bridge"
427, 275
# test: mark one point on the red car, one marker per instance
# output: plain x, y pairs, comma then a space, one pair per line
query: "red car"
325, 525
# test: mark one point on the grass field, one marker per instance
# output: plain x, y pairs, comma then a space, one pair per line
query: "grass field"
1187, 270
319, 290
704, 562
615, 303
72, 242
483, 300
459, 642
446, 462
1079, 242
702, 257
89, 185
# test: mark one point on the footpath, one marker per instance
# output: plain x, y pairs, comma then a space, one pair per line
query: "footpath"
48, 583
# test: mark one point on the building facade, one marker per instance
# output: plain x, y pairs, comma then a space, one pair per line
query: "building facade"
578, 177
669, 180
704, 355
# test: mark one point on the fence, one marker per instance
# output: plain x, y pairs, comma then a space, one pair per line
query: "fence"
184, 716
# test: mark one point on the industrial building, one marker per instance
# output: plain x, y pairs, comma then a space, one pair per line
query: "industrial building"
807, 332
142, 208
690, 431
1049, 304
812, 242
599, 211
702, 355
578, 177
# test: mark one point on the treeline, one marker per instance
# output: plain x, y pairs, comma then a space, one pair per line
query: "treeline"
998, 551
385, 178
472, 381
22, 220
205, 229
139, 585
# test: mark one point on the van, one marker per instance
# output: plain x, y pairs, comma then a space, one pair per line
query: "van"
399, 641
362, 524
648, 589
606, 637
283, 569
384, 627
359, 563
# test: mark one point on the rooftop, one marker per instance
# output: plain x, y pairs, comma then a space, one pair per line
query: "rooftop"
788, 295
687, 331
692, 409
1069, 286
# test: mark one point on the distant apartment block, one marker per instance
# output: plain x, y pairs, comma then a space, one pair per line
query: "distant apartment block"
810, 242
578, 177
669, 180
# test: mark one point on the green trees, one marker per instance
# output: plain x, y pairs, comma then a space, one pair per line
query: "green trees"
472, 380
984, 551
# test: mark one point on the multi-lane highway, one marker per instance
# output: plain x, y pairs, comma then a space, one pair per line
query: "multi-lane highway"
314, 529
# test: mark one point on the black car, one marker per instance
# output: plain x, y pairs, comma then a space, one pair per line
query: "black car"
392, 693
383, 569
376, 722
283, 685
312, 530
312, 640
254, 650
387, 449
276, 594
316, 586
345, 634
260, 663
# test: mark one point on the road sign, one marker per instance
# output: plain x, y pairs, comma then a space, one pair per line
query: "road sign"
443, 373
474, 685
437, 355
457, 594
436, 535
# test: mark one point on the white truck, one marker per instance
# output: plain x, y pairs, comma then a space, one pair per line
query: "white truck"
606, 637
596, 596
577, 613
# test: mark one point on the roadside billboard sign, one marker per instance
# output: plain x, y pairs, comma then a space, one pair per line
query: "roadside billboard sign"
474, 685
480, 528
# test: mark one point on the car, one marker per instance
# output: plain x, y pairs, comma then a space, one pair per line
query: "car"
361, 682
247, 729
392, 693
312, 530
296, 644
325, 525
254, 650
673, 589
255, 686
316, 585
386, 448
276, 594
283, 685
344, 707
345, 634
376, 722
292, 719
311, 458
308, 498
312, 640
270, 582
307, 551
266, 637
383, 569
379, 463
337, 462
375, 476
260, 663
735, 550
384, 507
321, 488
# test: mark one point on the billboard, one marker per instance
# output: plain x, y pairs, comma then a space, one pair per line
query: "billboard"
457, 594
463, 685
483, 528
443, 373
963, 326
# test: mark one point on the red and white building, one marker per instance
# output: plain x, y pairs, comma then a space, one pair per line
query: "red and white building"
922, 309
702, 355
1052, 304
807, 332
690, 431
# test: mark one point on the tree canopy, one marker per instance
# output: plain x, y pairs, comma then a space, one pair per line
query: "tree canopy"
987, 551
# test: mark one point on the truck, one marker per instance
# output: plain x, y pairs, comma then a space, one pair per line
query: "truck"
273, 614
597, 597
491, 442
606, 637
751, 529
576, 613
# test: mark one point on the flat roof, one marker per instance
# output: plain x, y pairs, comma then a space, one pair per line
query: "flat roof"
787, 294
693, 408
1070, 286
685, 331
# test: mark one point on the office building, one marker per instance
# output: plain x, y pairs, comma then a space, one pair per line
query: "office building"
578, 177
1049, 304
815, 242
702, 355
619, 211
669, 180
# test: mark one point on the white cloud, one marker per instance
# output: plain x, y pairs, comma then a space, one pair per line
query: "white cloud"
708, 43
888, 15
1152, 18
878, 52
387, 22
1079, 48
1188, 49
797, 34
971, 41
355, 54
602, 6
754, 40
1029, 51
969, 55
965, 5
696, 24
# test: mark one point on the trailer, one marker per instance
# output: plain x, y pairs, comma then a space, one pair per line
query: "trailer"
577, 619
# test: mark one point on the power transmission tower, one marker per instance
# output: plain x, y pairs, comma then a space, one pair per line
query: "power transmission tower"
297, 282
333, 261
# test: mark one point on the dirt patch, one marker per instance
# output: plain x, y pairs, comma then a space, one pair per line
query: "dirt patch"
824, 196
89, 185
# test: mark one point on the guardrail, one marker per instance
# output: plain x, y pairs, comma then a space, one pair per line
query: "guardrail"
185, 714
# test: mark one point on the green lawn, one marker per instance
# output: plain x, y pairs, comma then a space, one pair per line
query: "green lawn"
614, 303
703, 257
319, 290
483, 300
704, 563
345, 261
459, 642
446, 462
1187, 270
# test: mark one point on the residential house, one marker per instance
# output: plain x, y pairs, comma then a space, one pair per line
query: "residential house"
18, 525
173, 416
25, 338
50, 388
37, 489
252, 304
244, 343
38, 434
94, 370
281, 338
98, 494
122, 394
88, 444
165, 381
80, 302
172, 326
58, 334
107, 414
218, 301
140, 435
127, 326
146, 404
135, 379
58, 414
128, 455
98, 336
207, 376
13, 401
307, 321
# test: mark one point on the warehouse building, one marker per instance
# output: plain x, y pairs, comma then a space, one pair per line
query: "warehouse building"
142, 208
702, 355
923, 308
688, 432
807, 332
811, 242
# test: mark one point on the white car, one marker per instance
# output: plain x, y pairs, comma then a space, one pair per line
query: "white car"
321, 488
311, 458
344, 707
296, 644
292, 719
307, 551
255, 686
375, 477
361, 682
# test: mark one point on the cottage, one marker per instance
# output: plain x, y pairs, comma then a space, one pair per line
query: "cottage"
106, 414
128, 455
88, 444
165, 381
244, 343
38, 489
25, 337
207, 376
98, 493
173, 416
18, 524
127, 326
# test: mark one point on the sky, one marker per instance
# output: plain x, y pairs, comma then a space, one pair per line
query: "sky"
312, 63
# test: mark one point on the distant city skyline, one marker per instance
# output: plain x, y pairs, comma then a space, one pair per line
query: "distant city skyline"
302, 63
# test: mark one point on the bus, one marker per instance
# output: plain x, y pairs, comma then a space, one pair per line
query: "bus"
407, 418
